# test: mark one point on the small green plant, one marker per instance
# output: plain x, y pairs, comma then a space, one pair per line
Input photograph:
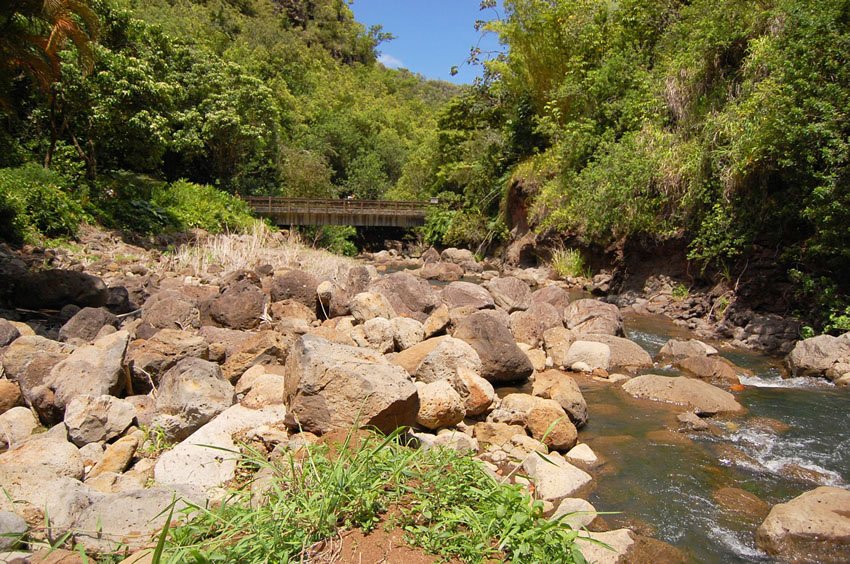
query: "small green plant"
155, 441
569, 263
680, 292
443, 501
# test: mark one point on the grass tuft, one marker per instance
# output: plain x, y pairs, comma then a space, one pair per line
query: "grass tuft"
569, 263
444, 502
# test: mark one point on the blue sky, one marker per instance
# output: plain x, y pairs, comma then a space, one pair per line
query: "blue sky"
432, 36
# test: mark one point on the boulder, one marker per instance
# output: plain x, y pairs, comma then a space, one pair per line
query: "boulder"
190, 395
92, 419
557, 342
266, 390
813, 527
28, 361
377, 333
510, 293
16, 425
148, 359
461, 294
593, 316
94, 370
295, 285
561, 387
12, 530
675, 349
700, 396
593, 354
265, 347
582, 454
222, 343
170, 309
442, 271
106, 522
552, 295
544, 419
625, 354
238, 306
498, 434
430, 255
86, 324
54, 289
333, 335
575, 512
437, 322
457, 256
409, 296
369, 305
611, 547
407, 332
8, 333
817, 356
530, 325
439, 405
477, 393
331, 386
290, 309
10, 395
501, 359
202, 459
117, 457
710, 368
554, 478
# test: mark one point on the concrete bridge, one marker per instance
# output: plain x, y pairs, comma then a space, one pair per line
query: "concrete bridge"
358, 213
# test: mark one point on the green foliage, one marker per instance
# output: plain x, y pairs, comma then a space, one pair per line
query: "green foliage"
200, 206
447, 504
680, 292
36, 201
338, 239
569, 263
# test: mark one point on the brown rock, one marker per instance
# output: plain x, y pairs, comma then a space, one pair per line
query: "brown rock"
711, 368
117, 457
547, 422
561, 387
530, 325
295, 285
410, 296
461, 294
593, 316
741, 502
265, 347
510, 293
501, 359
239, 306
700, 396
496, 433
553, 295
10, 395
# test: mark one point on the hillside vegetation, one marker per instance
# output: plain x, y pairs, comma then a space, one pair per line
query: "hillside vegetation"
278, 97
724, 123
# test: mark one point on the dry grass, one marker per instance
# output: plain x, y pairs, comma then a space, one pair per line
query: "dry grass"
256, 247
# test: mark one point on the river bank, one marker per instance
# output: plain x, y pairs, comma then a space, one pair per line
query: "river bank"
499, 364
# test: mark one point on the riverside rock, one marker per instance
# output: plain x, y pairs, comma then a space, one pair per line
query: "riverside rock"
461, 294
409, 296
148, 359
369, 305
710, 368
190, 395
95, 370
86, 324
594, 355
16, 425
407, 332
552, 295
530, 325
554, 478
439, 405
510, 293
813, 527
10, 395
700, 396
625, 354
561, 387
593, 316
238, 306
674, 349
817, 356
91, 419
8, 333
501, 359
331, 386
171, 309
54, 289
557, 342
295, 285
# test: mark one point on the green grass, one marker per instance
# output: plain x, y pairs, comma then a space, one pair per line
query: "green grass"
442, 501
569, 263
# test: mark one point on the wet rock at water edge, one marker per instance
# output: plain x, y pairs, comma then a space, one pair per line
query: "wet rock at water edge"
700, 396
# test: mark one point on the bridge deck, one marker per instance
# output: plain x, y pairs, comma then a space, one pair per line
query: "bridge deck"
359, 213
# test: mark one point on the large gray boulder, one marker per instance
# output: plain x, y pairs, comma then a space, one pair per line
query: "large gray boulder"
554, 478
86, 324
510, 293
552, 295
461, 294
95, 370
625, 354
593, 316
91, 419
203, 458
676, 349
813, 527
106, 522
700, 396
331, 386
191, 394
818, 356
410, 296
530, 325
501, 359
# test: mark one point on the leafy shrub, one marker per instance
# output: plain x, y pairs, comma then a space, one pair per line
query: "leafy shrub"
202, 206
569, 263
34, 201
447, 504
338, 239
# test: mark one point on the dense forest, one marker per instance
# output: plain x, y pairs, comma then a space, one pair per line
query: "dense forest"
154, 106
720, 123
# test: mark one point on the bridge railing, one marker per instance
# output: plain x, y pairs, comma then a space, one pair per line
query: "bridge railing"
308, 211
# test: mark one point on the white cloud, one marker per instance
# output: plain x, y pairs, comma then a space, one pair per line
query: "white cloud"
389, 61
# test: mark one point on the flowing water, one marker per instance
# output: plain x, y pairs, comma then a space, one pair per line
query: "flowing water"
793, 437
